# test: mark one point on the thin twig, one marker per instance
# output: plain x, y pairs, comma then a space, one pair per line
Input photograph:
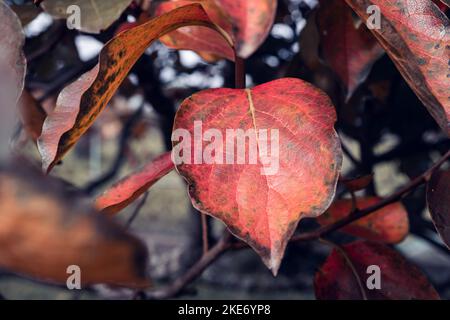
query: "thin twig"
137, 210
194, 272
204, 219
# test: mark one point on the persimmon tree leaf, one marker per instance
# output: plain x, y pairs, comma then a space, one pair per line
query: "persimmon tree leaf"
31, 114
80, 103
203, 40
12, 72
399, 279
260, 205
128, 189
438, 199
44, 230
442, 4
248, 21
95, 15
389, 224
417, 38
358, 183
347, 47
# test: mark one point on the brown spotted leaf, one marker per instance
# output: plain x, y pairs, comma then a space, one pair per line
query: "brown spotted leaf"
260, 195
438, 199
81, 102
124, 192
348, 47
95, 15
388, 225
248, 21
44, 230
416, 35
399, 279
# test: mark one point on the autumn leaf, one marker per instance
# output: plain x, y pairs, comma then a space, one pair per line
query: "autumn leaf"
438, 199
399, 279
417, 38
263, 208
12, 73
204, 40
348, 47
248, 21
95, 15
124, 192
81, 102
44, 230
358, 183
388, 225
31, 114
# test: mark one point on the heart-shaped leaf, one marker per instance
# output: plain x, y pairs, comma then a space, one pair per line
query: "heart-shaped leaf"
44, 230
374, 264
81, 102
248, 21
348, 48
262, 190
95, 15
389, 224
124, 192
416, 35
438, 199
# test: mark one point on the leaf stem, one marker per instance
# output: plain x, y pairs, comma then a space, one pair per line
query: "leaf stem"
239, 72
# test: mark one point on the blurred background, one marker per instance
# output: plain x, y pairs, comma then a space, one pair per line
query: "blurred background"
384, 128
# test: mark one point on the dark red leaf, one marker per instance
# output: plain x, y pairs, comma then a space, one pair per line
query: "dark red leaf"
438, 199
348, 47
416, 35
400, 280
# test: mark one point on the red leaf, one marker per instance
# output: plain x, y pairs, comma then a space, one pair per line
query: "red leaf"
124, 192
400, 280
248, 21
442, 4
416, 35
82, 101
389, 224
201, 39
259, 208
348, 48
357, 184
45, 229
438, 199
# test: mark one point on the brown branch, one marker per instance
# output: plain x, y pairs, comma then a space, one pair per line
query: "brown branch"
205, 236
226, 242
137, 210
195, 271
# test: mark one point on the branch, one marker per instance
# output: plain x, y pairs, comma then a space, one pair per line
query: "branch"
226, 242
195, 271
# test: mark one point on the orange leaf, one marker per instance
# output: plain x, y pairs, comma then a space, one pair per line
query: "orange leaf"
124, 192
399, 279
263, 208
417, 38
32, 115
81, 102
44, 230
248, 21
389, 224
